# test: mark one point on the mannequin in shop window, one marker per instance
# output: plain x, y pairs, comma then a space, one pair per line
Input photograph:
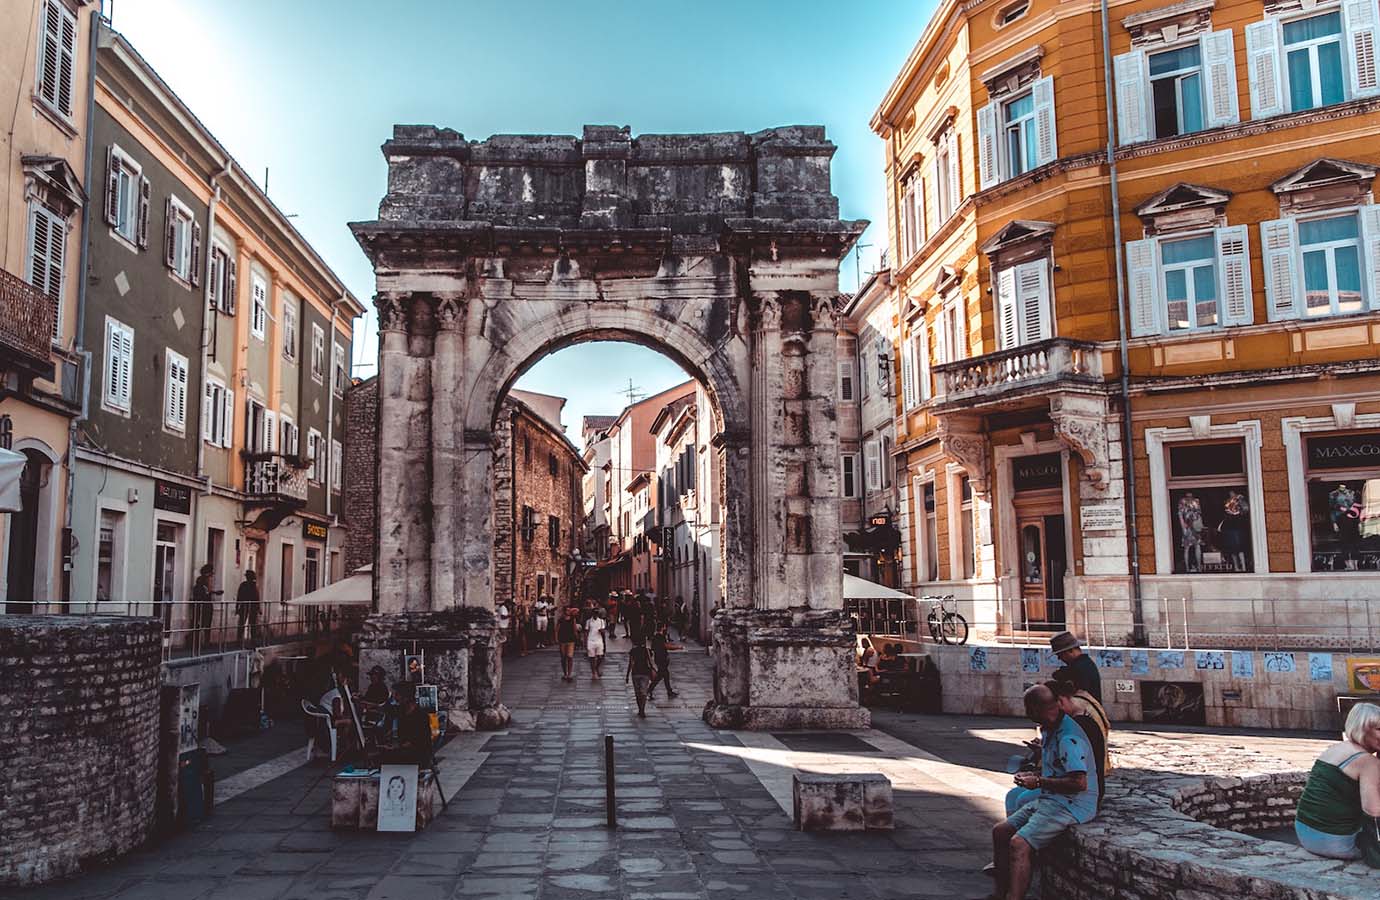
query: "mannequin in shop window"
1191, 532
1234, 531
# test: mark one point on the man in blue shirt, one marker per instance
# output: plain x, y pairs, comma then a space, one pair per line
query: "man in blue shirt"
1067, 786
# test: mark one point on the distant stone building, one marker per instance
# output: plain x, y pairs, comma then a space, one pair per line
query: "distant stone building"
538, 505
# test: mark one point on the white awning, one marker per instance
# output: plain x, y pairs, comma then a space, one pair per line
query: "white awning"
11, 473
855, 588
357, 590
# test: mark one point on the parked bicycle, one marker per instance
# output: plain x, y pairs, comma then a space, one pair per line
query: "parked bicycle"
946, 625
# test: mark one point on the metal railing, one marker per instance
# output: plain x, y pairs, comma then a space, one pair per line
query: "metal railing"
192, 629
1181, 623
26, 319
273, 476
1016, 368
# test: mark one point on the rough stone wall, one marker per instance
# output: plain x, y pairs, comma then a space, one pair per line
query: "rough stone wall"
79, 719
1160, 834
360, 495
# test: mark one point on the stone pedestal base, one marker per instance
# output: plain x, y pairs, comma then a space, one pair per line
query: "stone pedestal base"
460, 654
785, 669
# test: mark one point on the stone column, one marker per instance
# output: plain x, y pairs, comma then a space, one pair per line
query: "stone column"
786, 660
401, 577
447, 368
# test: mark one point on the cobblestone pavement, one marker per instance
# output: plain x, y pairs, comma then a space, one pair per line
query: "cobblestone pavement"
701, 812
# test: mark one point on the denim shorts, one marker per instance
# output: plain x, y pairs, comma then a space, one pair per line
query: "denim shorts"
1320, 843
1040, 821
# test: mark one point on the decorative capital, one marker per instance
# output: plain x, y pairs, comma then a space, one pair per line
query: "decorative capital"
450, 311
768, 311
392, 310
1080, 423
824, 311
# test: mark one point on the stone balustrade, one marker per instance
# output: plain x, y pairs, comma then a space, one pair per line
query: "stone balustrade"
993, 375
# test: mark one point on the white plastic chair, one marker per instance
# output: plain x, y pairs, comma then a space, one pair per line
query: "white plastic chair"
315, 710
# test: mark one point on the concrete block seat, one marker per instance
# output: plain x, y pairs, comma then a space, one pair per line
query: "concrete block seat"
355, 801
842, 802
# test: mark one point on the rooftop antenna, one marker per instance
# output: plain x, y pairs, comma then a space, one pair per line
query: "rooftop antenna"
634, 392
857, 262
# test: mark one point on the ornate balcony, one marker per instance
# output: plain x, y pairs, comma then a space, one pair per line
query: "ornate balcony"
271, 479
26, 327
1008, 378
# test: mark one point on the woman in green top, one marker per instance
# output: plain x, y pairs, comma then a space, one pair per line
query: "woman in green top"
1343, 790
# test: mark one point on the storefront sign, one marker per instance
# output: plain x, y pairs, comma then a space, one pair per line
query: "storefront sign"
880, 520
314, 531
1345, 451
1034, 473
1102, 518
172, 497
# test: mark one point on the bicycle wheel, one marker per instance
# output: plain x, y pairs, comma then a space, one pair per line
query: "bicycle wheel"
955, 629
933, 621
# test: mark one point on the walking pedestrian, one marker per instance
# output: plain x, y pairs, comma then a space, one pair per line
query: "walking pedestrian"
567, 630
203, 606
594, 644
640, 671
661, 647
247, 607
543, 615
611, 603
682, 617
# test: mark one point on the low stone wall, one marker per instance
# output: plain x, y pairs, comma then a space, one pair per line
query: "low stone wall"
1161, 833
1240, 688
78, 741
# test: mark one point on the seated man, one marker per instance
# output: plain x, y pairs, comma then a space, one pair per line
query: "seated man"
413, 746
891, 659
1067, 786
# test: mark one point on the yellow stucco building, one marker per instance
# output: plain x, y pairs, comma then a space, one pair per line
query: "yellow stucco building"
1211, 274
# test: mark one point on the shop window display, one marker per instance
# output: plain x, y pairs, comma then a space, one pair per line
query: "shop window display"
1211, 517
1344, 502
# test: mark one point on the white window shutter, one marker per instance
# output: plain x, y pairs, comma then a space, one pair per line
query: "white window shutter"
1219, 78
1234, 274
112, 364
170, 394
126, 367
208, 409
1263, 68
270, 430
907, 376
1362, 24
1008, 333
227, 418
112, 186
1132, 121
941, 339
922, 365
955, 195
1143, 287
1370, 246
1279, 244
988, 170
1033, 301
141, 229
872, 465
1046, 141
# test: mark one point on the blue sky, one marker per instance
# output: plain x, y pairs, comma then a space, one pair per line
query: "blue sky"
311, 89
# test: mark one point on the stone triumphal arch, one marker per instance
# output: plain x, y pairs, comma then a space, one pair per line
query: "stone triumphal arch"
720, 250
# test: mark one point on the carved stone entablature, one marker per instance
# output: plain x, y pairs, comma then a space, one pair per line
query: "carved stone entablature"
1080, 423
967, 446
1325, 184
1184, 207
392, 310
1014, 73
1018, 241
1286, 7
1169, 24
450, 311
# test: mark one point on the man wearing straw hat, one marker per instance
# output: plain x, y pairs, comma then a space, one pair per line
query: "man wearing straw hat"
1084, 671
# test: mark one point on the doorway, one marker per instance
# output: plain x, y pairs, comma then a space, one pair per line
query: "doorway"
165, 576
1043, 564
23, 550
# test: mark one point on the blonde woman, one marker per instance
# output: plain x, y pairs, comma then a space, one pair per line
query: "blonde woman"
1342, 794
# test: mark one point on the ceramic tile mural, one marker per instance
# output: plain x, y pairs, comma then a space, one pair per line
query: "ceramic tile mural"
1030, 660
1140, 662
1210, 659
1242, 664
977, 659
1320, 667
1109, 659
1279, 661
1170, 659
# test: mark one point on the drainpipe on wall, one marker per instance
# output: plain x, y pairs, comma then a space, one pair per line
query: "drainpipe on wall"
1127, 463
78, 328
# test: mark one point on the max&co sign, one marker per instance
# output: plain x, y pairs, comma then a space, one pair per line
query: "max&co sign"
1345, 451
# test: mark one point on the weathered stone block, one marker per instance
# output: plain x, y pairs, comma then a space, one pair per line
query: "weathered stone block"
844, 802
